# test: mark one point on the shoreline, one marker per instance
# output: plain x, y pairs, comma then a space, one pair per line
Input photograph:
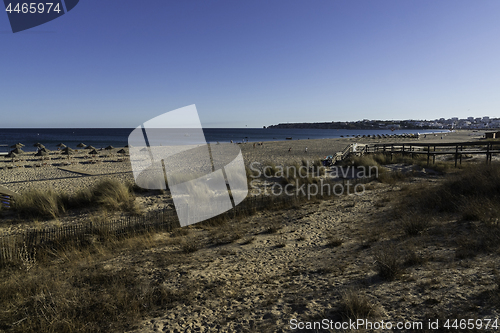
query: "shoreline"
120, 138
56, 174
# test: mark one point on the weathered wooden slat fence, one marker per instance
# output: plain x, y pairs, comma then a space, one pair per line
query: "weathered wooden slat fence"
15, 245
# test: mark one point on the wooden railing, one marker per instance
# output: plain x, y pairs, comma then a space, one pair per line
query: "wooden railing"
456, 149
6, 201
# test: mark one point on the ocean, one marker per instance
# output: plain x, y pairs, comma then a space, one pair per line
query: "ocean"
118, 137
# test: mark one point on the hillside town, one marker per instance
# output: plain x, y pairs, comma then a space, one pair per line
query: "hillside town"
442, 123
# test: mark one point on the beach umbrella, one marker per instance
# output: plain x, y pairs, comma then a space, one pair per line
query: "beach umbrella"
61, 145
144, 149
17, 145
11, 155
81, 145
109, 147
41, 153
38, 144
68, 151
44, 149
17, 151
93, 152
90, 147
122, 151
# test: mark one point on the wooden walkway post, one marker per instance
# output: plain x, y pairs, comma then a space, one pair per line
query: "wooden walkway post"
428, 154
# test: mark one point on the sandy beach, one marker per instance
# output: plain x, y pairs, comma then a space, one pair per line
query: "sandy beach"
81, 173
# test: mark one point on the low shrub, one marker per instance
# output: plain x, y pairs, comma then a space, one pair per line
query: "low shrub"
388, 264
414, 224
189, 245
354, 305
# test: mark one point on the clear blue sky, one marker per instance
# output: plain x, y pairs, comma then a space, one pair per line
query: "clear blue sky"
119, 63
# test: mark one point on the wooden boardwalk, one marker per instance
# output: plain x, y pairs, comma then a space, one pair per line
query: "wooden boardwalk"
431, 150
78, 171
6, 197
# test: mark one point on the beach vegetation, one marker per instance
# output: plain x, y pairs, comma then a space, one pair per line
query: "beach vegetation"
470, 196
225, 234
251, 174
415, 224
108, 194
38, 203
333, 240
113, 195
270, 169
71, 290
355, 305
388, 263
189, 245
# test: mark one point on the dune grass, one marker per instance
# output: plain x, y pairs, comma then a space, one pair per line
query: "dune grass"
471, 196
39, 204
108, 194
71, 291
474, 190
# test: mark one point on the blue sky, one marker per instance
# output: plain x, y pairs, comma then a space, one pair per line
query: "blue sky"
252, 63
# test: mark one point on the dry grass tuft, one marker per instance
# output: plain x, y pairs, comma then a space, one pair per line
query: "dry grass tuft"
415, 224
354, 305
388, 264
333, 240
113, 195
273, 227
225, 234
189, 245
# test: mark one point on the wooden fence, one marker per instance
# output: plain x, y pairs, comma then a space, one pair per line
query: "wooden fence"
12, 246
17, 246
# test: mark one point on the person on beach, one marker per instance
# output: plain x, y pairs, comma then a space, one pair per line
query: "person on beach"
254, 145
306, 149
289, 149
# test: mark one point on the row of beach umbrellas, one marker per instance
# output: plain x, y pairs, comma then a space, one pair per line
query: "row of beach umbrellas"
60, 145
42, 151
